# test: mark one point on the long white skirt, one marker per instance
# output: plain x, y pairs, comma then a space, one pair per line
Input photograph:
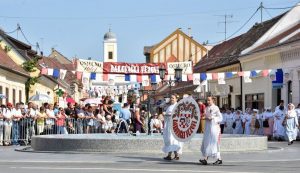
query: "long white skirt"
170, 143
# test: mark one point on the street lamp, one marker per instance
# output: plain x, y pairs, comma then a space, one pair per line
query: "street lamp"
170, 82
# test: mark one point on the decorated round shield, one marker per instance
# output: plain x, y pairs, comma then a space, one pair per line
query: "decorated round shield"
185, 119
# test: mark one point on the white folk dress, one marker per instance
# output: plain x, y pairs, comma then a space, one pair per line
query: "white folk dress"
239, 124
229, 121
291, 128
278, 129
247, 121
170, 143
211, 141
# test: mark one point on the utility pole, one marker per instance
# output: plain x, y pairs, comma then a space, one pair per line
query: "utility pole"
226, 22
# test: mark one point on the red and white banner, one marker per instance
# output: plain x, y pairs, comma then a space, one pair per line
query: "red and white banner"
131, 68
185, 119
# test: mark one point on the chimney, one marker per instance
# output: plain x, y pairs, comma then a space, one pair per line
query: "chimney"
190, 32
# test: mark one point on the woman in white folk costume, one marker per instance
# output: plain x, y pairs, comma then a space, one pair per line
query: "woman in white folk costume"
228, 122
238, 121
291, 125
247, 121
278, 129
211, 141
170, 143
267, 118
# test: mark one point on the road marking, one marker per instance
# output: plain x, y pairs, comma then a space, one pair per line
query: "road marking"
134, 161
122, 169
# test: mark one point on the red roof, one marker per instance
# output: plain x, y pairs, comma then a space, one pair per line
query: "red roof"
275, 41
228, 52
7, 63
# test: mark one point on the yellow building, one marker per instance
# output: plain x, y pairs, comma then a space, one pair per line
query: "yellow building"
178, 45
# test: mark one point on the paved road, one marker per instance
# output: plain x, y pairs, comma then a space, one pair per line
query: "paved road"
279, 158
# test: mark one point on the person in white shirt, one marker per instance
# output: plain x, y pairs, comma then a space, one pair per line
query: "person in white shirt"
155, 124
1, 124
170, 143
17, 115
32, 115
278, 128
247, 121
8, 115
212, 135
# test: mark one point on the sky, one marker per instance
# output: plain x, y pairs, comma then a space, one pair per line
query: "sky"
76, 27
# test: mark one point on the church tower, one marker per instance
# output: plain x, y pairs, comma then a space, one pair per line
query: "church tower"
110, 47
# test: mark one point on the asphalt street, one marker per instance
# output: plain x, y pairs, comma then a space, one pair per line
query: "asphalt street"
278, 158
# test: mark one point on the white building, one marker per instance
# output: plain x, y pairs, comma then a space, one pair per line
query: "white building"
279, 48
110, 53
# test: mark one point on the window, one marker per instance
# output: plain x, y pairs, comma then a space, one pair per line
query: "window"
110, 55
1, 92
255, 101
20, 95
14, 96
289, 91
7, 94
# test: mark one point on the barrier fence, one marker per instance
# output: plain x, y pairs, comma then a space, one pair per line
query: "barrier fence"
21, 131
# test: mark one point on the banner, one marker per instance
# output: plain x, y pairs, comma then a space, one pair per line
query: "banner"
185, 119
187, 67
89, 66
131, 68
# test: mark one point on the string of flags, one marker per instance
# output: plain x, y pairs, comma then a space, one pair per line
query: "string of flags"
197, 78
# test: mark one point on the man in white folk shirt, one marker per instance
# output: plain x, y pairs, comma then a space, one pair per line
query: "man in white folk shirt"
211, 141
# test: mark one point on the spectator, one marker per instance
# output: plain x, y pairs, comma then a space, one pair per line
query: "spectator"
125, 115
40, 120
1, 124
80, 119
155, 124
89, 116
8, 115
17, 115
202, 108
60, 122
50, 119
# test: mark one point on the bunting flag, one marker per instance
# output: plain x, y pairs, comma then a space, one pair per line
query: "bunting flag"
221, 78
133, 78
214, 76
190, 77
44, 71
93, 76
196, 78
184, 78
247, 78
203, 76
139, 78
78, 75
50, 71
145, 80
62, 74
56, 73
265, 73
229, 74
208, 76
253, 73
240, 73
127, 77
